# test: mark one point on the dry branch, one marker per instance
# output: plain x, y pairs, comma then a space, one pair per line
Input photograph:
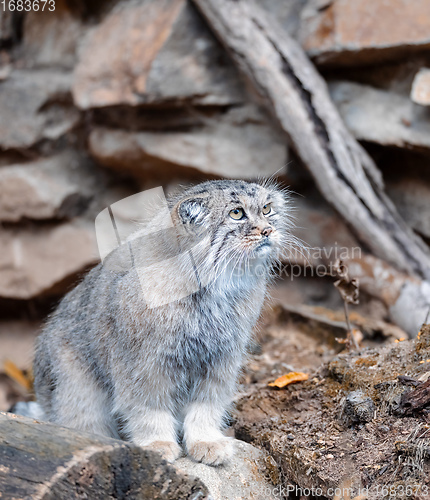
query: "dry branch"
416, 400
291, 88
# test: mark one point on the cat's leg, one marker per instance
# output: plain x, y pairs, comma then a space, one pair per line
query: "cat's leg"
153, 428
80, 402
203, 423
43, 379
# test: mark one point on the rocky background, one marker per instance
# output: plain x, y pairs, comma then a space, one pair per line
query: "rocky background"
100, 100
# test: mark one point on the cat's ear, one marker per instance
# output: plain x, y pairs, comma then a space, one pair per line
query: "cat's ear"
193, 210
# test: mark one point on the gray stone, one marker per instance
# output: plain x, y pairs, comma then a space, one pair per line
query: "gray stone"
17, 342
412, 199
41, 260
411, 308
35, 105
48, 188
383, 117
326, 236
152, 52
420, 92
288, 14
238, 145
358, 408
6, 24
51, 37
242, 478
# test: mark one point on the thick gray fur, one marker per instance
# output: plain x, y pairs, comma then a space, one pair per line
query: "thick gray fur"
108, 363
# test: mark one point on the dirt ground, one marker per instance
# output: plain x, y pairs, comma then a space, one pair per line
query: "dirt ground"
343, 433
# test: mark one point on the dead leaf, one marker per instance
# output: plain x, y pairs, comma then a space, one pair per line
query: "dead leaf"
353, 336
13, 372
289, 378
348, 288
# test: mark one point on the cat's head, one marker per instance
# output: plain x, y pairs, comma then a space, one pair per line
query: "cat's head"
242, 220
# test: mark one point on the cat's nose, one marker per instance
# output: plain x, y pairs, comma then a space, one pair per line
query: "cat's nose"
266, 231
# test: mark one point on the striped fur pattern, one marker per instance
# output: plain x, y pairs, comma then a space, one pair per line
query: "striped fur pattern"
162, 376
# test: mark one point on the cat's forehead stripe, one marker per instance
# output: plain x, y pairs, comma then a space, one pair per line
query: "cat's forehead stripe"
229, 187
235, 193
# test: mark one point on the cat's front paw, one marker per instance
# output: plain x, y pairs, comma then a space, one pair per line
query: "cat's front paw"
169, 450
212, 452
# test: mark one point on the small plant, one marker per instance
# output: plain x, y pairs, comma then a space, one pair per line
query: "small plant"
349, 291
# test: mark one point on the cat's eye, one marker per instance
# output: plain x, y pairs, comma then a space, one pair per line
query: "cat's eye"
237, 213
267, 209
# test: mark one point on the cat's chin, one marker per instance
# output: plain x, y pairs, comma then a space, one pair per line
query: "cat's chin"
263, 250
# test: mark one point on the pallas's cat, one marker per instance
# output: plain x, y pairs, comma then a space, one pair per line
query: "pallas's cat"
148, 347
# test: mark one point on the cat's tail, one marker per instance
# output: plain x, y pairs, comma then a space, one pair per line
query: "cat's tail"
28, 409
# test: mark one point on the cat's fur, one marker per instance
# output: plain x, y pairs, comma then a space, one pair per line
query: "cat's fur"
108, 363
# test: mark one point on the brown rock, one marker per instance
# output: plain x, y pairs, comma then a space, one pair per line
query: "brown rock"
44, 189
51, 37
153, 51
239, 144
383, 117
41, 260
359, 31
35, 105
421, 87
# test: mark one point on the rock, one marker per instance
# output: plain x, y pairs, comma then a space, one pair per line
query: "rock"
328, 324
41, 260
6, 24
383, 117
411, 308
235, 146
327, 237
406, 297
51, 37
35, 105
153, 52
7, 393
46, 461
17, 347
17, 350
412, 199
153, 119
57, 447
288, 14
421, 87
358, 407
345, 32
17, 342
241, 478
48, 188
